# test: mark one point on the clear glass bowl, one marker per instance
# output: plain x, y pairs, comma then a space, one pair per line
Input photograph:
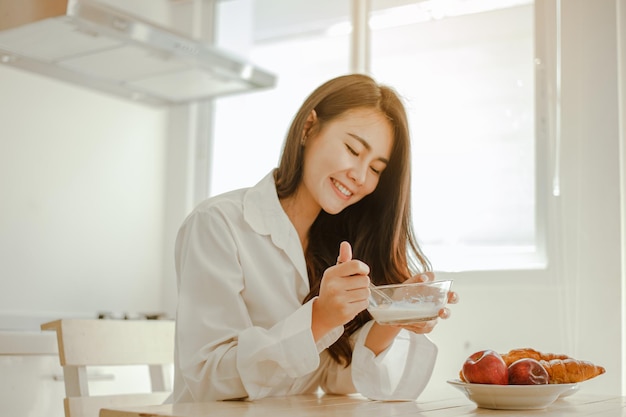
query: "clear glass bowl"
408, 303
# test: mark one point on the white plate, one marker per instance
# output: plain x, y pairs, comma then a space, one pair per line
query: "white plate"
513, 397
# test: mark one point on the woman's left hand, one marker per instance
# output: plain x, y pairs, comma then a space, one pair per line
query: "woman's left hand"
444, 313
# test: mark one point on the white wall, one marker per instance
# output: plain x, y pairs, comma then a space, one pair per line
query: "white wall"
93, 189
82, 199
621, 69
590, 221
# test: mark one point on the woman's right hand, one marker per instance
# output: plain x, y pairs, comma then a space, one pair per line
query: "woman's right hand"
344, 293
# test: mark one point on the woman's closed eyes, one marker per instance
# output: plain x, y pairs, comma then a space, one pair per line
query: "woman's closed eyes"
356, 153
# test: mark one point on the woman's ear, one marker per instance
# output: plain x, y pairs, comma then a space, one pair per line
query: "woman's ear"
308, 124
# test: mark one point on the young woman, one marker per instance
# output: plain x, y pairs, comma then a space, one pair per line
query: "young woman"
273, 280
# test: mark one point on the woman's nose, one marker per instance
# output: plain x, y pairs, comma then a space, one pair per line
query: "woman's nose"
358, 173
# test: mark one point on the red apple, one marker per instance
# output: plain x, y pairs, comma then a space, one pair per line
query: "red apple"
527, 371
486, 367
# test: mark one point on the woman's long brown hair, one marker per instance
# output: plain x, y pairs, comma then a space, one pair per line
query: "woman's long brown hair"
378, 226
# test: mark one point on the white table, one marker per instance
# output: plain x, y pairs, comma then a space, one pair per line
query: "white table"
357, 406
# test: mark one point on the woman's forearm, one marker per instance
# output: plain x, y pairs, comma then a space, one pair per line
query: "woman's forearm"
380, 337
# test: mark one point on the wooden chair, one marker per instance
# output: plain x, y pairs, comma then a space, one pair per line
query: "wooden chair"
86, 343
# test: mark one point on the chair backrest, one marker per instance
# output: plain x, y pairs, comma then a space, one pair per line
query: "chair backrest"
86, 343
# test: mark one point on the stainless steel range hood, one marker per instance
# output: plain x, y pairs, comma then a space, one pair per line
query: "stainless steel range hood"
95, 45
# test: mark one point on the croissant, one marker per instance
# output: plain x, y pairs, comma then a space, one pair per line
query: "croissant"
567, 371
516, 354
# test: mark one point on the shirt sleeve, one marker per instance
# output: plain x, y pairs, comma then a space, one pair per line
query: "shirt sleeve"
401, 372
220, 353
287, 350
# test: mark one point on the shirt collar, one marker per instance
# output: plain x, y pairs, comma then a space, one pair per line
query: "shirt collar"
263, 212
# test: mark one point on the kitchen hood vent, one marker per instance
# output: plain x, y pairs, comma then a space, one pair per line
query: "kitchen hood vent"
101, 47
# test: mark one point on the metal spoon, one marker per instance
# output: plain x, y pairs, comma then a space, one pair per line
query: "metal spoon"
380, 293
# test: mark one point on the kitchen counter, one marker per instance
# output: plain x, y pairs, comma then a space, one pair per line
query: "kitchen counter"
21, 335
28, 342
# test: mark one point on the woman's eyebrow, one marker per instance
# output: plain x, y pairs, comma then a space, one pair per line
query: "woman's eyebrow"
366, 145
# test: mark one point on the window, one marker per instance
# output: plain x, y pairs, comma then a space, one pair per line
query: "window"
467, 77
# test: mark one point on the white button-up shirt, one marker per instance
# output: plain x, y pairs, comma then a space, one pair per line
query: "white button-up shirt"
242, 330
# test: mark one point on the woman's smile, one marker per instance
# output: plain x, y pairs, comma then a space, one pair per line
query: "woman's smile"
343, 190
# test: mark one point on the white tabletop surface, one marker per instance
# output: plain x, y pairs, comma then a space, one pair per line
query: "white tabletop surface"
356, 406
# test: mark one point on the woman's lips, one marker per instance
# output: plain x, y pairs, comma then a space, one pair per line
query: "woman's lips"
343, 190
